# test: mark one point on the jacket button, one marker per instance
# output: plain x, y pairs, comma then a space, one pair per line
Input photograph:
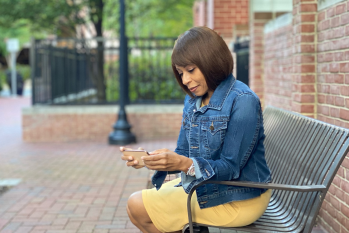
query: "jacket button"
155, 185
212, 127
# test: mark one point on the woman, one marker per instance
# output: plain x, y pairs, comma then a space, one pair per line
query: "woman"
221, 138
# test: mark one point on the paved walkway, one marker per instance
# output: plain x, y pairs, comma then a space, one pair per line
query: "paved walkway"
64, 187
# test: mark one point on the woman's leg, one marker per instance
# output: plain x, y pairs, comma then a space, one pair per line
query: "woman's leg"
138, 214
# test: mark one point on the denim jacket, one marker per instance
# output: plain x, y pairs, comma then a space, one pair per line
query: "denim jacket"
225, 141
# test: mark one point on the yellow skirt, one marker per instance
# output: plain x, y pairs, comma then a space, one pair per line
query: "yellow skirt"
167, 208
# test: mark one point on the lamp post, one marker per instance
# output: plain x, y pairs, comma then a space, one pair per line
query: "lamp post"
122, 134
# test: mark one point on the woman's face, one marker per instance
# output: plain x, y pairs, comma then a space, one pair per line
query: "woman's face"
194, 80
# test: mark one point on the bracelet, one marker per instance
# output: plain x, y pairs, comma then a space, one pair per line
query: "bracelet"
191, 170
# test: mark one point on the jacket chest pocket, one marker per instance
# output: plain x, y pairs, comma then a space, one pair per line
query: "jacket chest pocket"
214, 133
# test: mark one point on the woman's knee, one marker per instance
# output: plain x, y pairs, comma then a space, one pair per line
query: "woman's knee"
135, 203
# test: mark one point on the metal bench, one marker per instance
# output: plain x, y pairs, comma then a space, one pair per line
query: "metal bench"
304, 155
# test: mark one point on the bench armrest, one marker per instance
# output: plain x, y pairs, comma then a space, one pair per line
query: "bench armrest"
298, 188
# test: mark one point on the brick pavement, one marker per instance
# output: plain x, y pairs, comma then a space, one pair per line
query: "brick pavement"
65, 187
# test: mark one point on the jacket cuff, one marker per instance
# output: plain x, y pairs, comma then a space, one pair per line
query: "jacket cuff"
203, 171
186, 180
204, 168
158, 178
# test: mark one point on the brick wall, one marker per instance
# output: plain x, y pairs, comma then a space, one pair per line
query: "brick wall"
278, 68
59, 124
333, 103
228, 13
304, 80
199, 13
256, 61
306, 69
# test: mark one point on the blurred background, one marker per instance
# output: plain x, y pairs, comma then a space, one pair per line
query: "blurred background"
66, 38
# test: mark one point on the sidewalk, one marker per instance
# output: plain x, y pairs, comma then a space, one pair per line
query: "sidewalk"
65, 187
70, 187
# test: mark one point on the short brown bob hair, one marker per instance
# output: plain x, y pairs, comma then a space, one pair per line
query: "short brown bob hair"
204, 48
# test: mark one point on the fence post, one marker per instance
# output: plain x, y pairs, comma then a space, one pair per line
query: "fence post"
51, 73
33, 67
122, 134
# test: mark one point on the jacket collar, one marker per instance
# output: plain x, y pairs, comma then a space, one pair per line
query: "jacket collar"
219, 95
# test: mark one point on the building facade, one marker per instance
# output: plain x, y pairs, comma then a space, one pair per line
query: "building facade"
298, 60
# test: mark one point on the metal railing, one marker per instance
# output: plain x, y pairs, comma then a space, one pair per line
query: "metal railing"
69, 71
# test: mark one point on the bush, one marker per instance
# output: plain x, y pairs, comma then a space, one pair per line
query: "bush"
150, 78
111, 75
24, 70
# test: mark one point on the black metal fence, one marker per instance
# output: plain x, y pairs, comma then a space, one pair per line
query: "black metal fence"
68, 71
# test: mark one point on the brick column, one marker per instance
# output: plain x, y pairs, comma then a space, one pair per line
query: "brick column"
304, 58
199, 13
257, 23
227, 14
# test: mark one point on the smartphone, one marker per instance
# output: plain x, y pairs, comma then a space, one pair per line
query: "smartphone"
136, 154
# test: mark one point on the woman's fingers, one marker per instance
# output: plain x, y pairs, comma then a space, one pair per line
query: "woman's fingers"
154, 157
130, 162
127, 158
124, 148
159, 151
134, 164
155, 162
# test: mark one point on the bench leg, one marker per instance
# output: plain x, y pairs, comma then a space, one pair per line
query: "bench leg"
197, 229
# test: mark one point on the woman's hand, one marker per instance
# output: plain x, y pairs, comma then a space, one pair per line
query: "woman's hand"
166, 160
130, 161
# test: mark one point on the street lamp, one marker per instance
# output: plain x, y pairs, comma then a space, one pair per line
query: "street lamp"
122, 134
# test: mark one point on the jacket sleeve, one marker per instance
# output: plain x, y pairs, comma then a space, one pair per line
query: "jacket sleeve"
240, 139
182, 142
181, 149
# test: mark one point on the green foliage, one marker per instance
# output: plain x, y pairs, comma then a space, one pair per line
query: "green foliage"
20, 18
143, 17
151, 17
19, 29
111, 75
24, 70
2, 79
49, 15
150, 78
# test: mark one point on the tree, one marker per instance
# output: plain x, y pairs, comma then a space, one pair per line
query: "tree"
61, 17
48, 15
146, 18
19, 30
